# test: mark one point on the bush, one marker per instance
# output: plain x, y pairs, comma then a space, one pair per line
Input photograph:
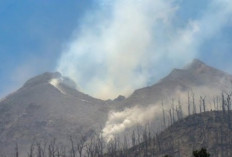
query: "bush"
201, 153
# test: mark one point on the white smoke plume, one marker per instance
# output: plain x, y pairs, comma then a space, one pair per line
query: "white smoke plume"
125, 44
119, 121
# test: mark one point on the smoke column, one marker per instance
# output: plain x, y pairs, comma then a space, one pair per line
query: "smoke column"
125, 44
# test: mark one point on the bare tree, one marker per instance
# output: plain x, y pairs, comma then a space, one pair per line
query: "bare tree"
228, 104
52, 148
194, 105
179, 112
112, 147
173, 111
145, 140
223, 105
125, 146
133, 139
170, 115
39, 149
73, 150
138, 135
189, 105
200, 105
16, 150
214, 104
164, 120
203, 103
89, 148
81, 145
100, 145
31, 150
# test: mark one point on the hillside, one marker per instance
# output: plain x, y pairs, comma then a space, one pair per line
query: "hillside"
192, 89
211, 130
48, 106
196, 77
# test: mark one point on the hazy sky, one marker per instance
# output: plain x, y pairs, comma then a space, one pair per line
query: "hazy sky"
109, 45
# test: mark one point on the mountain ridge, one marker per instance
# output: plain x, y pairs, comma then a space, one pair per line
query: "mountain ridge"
194, 75
50, 105
40, 110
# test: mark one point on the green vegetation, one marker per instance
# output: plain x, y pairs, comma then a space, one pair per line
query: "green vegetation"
201, 153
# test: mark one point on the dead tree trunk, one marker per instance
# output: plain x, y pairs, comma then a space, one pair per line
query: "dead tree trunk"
16, 150
170, 115
200, 105
133, 139
81, 145
31, 151
173, 112
194, 105
228, 110
203, 103
223, 106
164, 121
72, 151
189, 105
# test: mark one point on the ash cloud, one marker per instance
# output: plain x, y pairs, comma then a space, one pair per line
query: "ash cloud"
125, 44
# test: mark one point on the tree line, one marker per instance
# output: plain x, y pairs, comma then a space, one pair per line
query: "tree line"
143, 142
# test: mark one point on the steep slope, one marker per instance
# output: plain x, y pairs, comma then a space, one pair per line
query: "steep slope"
46, 106
145, 105
196, 77
210, 130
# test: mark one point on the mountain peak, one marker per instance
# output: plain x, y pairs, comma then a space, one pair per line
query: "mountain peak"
43, 78
49, 77
120, 98
196, 64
